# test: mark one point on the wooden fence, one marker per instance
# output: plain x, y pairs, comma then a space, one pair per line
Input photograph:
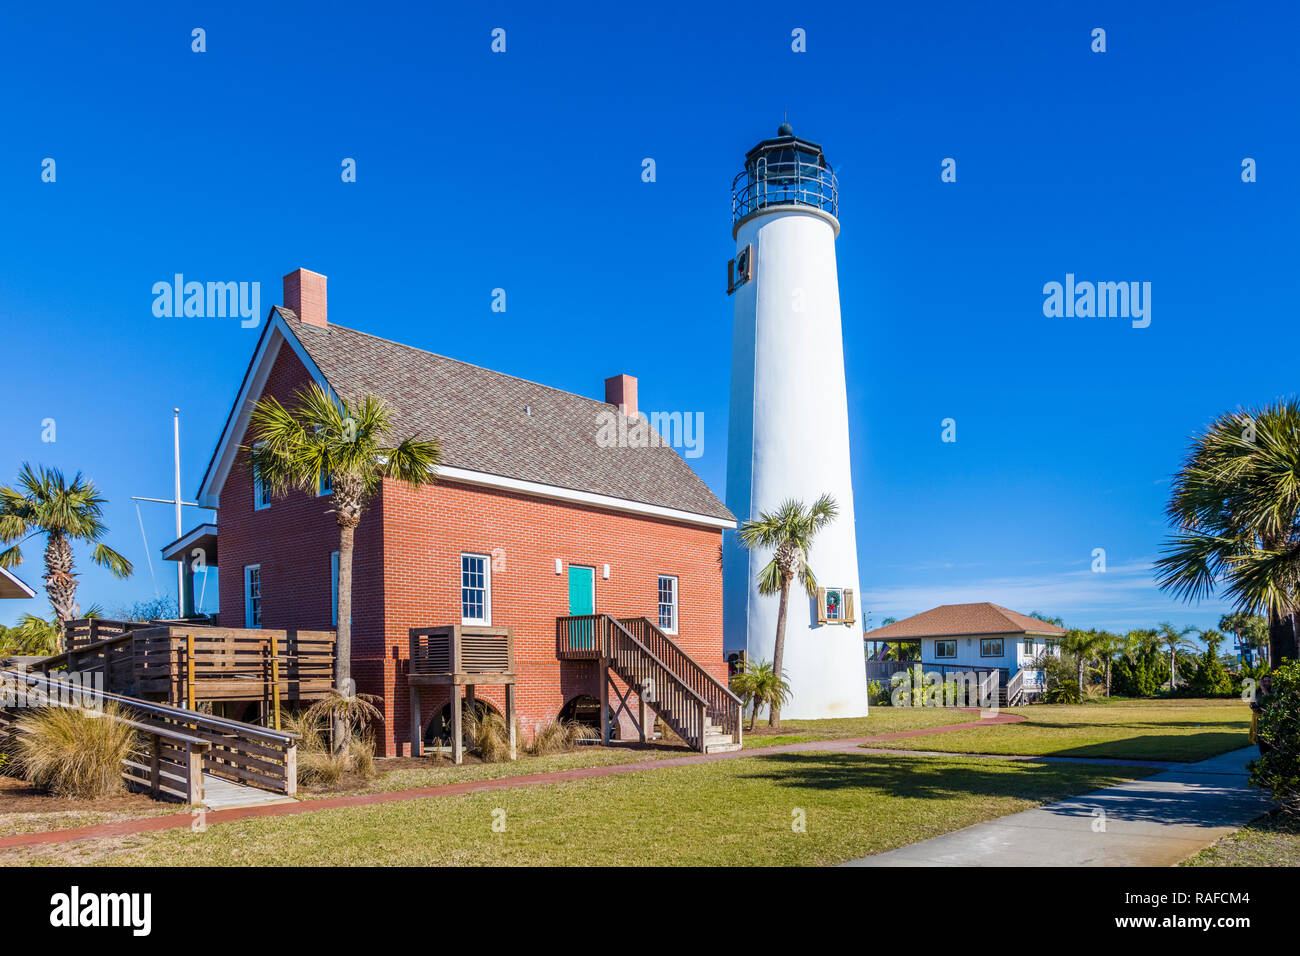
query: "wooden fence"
185, 664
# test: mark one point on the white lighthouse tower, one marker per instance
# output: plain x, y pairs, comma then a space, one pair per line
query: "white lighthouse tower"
789, 429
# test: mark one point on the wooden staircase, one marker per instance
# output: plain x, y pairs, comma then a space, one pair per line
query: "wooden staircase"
700, 709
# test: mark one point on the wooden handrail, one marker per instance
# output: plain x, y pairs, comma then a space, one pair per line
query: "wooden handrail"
61, 658
181, 754
662, 635
724, 706
685, 694
244, 752
654, 657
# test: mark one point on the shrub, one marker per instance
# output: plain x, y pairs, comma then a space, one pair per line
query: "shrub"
1278, 766
1143, 676
73, 753
559, 736
318, 763
1060, 678
1211, 678
878, 694
488, 736
350, 713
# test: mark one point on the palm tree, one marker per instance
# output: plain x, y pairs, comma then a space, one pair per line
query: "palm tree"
44, 502
1235, 507
789, 531
1110, 646
1251, 632
1083, 646
327, 439
1176, 640
760, 684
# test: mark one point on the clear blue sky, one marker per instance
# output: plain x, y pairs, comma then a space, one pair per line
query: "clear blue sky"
523, 171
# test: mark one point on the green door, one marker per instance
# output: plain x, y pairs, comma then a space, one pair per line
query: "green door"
582, 600
582, 590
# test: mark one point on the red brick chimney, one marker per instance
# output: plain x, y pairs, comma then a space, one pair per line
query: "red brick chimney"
304, 293
620, 390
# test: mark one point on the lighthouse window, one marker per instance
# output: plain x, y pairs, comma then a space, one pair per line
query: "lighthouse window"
834, 604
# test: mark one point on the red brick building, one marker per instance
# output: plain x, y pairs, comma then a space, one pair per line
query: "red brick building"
529, 515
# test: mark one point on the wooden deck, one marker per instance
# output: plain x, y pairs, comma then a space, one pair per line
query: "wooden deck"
185, 665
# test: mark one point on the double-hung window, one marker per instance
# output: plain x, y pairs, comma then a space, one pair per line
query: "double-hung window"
261, 494
668, 603
253, 595
475, 589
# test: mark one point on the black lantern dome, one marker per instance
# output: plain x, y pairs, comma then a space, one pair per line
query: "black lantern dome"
784, 171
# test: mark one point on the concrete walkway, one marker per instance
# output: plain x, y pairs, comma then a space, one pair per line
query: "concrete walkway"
1158, 821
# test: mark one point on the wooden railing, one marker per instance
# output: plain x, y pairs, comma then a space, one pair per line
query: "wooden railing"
660, 672
462, 649
724, 706
245, 753
578, 638
92, 630
186, 664
989, 681
166, 761
685, 711
189, 664
111, 657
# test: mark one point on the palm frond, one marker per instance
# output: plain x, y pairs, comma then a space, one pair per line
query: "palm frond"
769, 578
116, 563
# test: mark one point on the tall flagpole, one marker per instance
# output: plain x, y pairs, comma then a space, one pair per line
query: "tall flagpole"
180, 565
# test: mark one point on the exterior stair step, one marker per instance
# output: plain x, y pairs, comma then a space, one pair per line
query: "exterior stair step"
721, 748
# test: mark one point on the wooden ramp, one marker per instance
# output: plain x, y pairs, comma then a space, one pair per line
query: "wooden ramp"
222, 794
178, 753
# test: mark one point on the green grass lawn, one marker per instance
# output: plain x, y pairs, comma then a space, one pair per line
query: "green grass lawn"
1272, 840
733, 812
881, 720
1186, 730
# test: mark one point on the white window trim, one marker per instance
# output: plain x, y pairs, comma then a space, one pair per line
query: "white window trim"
677, 602
334, 589
945, 657
248, 597
486, 620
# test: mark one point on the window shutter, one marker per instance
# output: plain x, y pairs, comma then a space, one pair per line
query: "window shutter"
821, 605
849, 617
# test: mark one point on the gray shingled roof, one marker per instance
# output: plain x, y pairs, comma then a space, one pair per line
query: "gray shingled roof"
479, 418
